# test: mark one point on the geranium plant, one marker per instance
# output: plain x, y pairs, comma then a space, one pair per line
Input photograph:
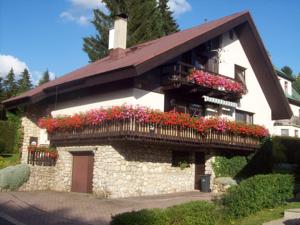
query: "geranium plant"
153, 117
209, 80
49, 152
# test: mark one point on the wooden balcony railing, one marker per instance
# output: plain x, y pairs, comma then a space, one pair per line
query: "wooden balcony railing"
41, 158
175, 76
135, 131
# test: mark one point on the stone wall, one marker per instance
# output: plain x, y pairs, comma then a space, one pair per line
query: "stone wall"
30, 129
120, 171
125, 171
57, 178
41, 178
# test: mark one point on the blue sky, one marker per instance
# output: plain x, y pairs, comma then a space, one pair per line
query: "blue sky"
48, 34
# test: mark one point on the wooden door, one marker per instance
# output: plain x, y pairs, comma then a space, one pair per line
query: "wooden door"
199, 168
82, 173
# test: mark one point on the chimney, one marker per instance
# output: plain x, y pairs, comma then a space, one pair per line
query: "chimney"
118, 34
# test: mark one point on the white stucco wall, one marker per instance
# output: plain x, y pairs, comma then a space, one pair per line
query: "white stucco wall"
277, 130
254, 101
130, 96
295, 110
289, 86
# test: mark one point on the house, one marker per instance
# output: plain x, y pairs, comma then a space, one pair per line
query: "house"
289, 127
219, 68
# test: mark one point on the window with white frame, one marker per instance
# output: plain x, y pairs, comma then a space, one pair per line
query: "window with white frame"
296, 133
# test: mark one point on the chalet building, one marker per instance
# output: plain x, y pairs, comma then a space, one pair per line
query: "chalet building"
288, 127
185, 72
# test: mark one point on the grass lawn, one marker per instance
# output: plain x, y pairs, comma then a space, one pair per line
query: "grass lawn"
266, 215
10, 160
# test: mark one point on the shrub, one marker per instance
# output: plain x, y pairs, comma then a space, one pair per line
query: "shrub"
229, 166
258, 192
7, 137
192, 213
13, 177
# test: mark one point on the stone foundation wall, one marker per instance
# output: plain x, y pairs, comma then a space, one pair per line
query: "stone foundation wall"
56, 178
41, 178
120, 171
124, 171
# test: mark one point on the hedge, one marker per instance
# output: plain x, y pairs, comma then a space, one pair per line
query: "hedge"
7, 137
229, 166
256, 193
192, 213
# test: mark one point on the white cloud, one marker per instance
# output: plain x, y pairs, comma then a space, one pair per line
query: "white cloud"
179, 6
7, 62
80, 11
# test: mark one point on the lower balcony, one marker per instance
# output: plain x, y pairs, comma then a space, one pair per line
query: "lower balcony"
172, 135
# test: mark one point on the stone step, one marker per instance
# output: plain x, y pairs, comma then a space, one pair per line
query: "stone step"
292, 214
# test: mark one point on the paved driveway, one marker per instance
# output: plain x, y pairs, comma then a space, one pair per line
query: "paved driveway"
47, 208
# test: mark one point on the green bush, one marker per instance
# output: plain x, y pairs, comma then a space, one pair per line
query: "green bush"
229, 166
7, 137
9, 160
192, 213
256, 193
13, 177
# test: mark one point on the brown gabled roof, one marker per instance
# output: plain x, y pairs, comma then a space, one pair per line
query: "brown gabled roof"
141, 58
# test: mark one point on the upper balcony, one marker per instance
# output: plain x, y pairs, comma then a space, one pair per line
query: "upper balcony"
190, 79
294, 121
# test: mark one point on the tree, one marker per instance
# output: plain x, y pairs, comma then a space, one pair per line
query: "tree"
169, 23
288, 71
10, 85
147, 20
296, 83
24, 84
45, 78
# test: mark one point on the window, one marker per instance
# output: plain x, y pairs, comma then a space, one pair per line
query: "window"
240, 74
245, 117
180, 157
284, 132
296, 133
286, 86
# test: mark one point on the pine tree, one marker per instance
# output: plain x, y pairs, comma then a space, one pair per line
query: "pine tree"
169, 24
288, 71
147, 20
10, 85
45, 78
24, 84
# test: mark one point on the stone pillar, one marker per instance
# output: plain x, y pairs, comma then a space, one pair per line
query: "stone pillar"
30, 129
